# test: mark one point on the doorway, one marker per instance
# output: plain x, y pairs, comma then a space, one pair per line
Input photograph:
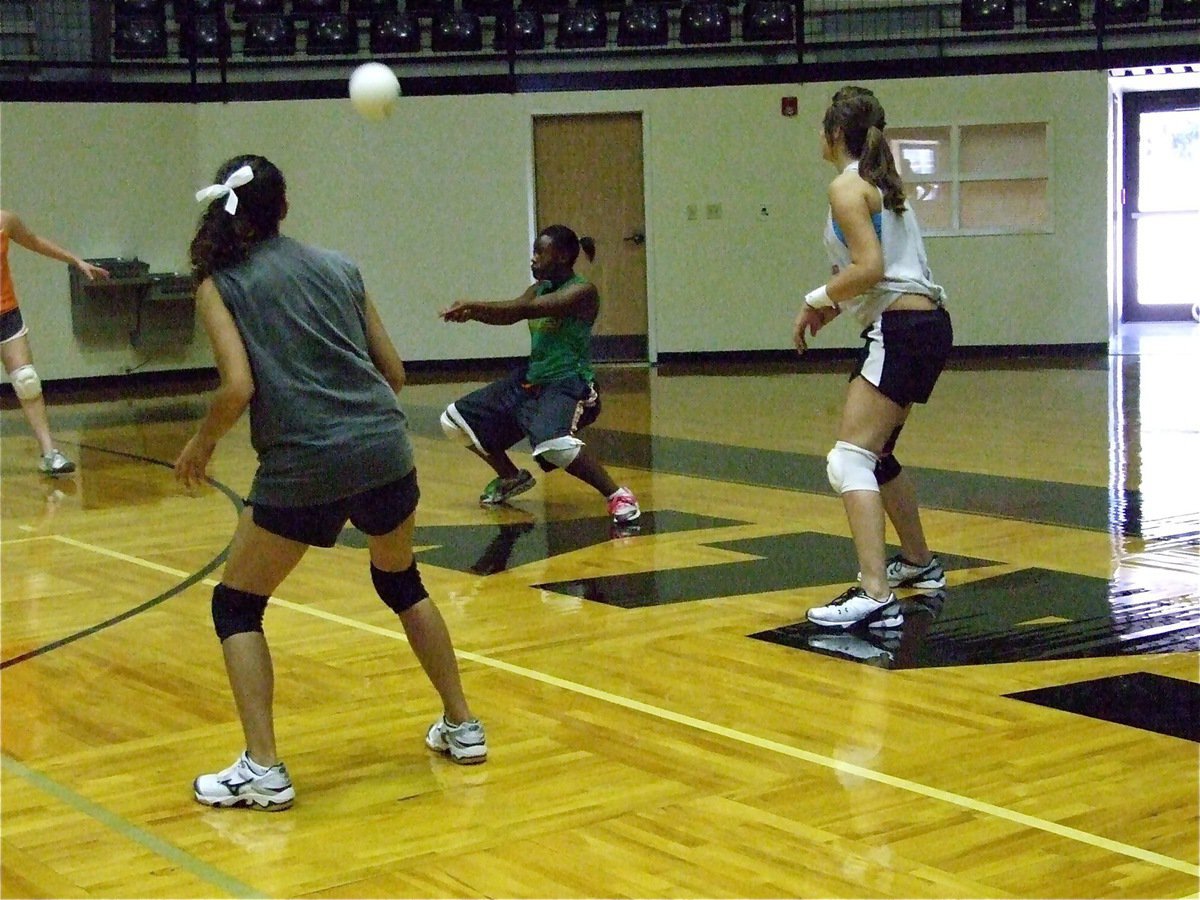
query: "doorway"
1160, 215
588, 175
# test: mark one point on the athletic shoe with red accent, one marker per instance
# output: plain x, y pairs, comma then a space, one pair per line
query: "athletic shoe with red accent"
623, 506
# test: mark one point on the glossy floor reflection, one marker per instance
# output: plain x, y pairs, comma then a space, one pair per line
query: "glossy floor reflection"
1022, 616
662, 719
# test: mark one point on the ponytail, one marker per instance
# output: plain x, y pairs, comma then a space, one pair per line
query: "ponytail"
858, 116
588, 246
878, 166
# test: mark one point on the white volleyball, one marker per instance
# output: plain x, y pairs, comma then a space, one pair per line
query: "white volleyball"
374, 90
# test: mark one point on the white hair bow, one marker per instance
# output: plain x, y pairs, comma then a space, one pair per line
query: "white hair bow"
235, 180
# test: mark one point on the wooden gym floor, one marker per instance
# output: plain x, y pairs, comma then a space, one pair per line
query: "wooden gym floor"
662, 720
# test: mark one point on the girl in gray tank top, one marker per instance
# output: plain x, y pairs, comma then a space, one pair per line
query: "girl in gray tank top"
298, 342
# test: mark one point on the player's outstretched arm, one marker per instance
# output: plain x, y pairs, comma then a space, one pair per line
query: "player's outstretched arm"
21, 235
493, 312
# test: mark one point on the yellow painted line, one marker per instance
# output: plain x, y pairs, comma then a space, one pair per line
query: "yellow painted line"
123, 557
125, 828
903, 784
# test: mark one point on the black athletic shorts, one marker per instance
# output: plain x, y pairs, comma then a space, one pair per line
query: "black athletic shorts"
905, 352
374, 512
12, 325
503, 412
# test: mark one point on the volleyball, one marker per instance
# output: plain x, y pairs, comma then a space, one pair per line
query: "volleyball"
374, 90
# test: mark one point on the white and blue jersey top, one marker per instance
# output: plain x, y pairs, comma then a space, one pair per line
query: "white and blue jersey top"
905, 266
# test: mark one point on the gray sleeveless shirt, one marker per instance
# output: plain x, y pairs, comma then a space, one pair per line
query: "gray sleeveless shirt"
324, 422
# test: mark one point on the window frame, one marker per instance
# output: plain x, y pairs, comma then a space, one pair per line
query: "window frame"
955, 179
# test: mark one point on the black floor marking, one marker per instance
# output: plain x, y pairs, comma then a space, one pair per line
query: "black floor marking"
1030, 614
488, 549
1169, 706
779, 562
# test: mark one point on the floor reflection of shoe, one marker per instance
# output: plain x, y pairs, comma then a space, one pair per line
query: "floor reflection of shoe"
928, 604
852, 646
496, 555
501, 490
619, 530
855, 606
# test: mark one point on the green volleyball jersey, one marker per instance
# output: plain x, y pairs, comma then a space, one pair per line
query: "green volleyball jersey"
560, 346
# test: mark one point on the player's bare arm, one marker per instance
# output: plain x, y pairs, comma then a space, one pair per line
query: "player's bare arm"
23, 237
232, 395
383, 352
579, 300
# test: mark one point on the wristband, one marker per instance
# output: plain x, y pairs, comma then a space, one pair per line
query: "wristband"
819, 299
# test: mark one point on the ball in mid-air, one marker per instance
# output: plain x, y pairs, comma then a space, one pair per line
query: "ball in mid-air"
374, 90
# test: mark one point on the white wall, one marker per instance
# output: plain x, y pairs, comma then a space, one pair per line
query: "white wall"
101, 181
435, 205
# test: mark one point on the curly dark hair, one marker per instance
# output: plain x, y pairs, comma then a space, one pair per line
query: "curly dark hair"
223, 240
859, 116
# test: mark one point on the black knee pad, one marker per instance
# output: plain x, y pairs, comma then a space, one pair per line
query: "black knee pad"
886, 469
399, 590
236, 612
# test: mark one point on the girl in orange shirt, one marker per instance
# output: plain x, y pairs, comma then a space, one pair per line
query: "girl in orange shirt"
14, 336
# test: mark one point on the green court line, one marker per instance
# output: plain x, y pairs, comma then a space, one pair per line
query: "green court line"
169, 852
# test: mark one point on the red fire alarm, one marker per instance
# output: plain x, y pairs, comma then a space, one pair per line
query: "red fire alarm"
789, 106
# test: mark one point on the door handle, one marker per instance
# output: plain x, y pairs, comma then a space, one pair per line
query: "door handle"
637, 238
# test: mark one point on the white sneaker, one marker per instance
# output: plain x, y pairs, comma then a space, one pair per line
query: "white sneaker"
902, 573
465, 743
623, 506
55, 463
854, 606
246, 783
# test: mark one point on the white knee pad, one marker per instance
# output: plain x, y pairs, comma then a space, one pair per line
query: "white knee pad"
455, 428
851, 468
26, 383
558, 452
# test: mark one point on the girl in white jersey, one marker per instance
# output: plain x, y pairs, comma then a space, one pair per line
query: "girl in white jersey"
881, 277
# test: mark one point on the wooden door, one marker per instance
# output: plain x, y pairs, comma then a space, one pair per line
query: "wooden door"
588, 176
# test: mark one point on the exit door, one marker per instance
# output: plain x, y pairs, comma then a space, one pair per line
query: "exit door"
1161, 210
